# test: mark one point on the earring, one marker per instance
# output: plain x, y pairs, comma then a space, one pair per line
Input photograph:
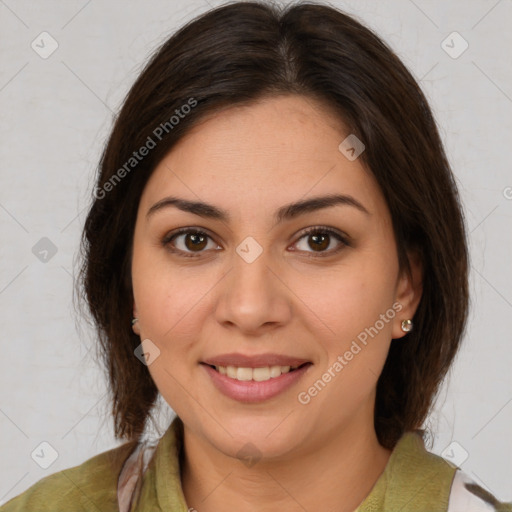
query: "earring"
407, 325
134, 321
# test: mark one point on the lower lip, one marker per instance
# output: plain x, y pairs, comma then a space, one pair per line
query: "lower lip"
251, 391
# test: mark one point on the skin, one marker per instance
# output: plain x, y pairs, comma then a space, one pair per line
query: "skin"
250, 161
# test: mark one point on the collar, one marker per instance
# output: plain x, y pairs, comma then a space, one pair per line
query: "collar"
166, 470
413, 479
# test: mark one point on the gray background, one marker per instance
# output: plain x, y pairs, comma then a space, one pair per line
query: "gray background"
56, 114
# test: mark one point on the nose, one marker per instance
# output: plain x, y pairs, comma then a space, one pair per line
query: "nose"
253, 296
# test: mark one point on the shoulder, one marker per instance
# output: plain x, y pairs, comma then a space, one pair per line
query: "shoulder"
467, 496
90, 486
417, 479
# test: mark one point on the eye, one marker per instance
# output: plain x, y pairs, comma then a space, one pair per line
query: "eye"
193, 241
320, 239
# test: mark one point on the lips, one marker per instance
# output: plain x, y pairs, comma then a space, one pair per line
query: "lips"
254, 378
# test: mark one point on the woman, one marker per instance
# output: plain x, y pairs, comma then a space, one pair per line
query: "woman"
276, 246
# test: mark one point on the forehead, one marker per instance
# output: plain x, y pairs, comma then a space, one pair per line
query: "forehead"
260, 156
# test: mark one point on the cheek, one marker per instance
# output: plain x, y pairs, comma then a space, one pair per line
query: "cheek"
171, 315
159, 292
350, 303
172, 304
357, 342
346, 300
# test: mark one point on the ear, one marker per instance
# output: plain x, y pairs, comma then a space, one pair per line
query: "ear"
408, 292
135, 326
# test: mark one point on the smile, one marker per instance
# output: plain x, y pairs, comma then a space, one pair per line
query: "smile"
246, 384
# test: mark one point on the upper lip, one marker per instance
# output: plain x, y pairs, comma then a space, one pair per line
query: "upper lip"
244, 361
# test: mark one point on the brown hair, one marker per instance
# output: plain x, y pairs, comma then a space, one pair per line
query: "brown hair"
236, 54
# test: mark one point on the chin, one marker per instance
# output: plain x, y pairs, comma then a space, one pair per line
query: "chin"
268, 437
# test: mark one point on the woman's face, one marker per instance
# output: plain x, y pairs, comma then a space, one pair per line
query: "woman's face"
254, 290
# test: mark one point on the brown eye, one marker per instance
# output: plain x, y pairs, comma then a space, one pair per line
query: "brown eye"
320, 239
187, 241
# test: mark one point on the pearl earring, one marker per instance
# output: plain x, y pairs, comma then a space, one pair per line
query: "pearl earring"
407, 325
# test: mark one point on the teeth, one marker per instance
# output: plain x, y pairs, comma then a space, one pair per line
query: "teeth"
275, 371
257, 374
244, 374
261, 374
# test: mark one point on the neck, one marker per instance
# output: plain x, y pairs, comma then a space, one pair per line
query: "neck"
341, 468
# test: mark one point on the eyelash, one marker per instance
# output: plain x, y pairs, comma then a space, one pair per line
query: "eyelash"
166, 241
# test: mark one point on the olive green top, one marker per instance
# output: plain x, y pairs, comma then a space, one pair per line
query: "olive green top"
413, 480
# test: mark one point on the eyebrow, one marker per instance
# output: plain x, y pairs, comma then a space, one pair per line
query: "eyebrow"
286, 212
